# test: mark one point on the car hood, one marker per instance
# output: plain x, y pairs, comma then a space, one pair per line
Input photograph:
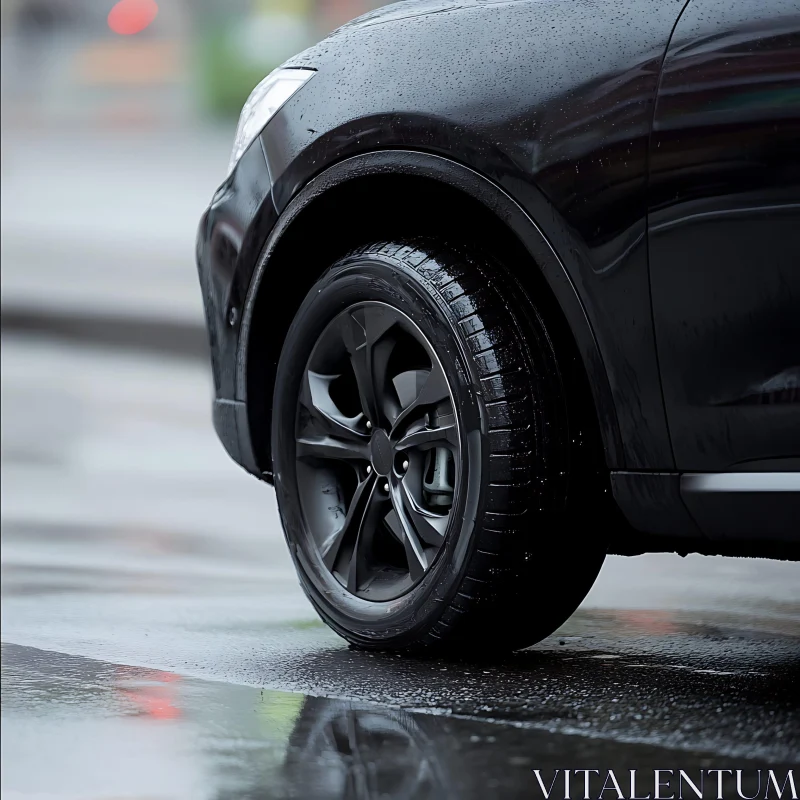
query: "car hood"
406, 9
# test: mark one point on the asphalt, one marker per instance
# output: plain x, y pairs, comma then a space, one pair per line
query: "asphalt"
156, 643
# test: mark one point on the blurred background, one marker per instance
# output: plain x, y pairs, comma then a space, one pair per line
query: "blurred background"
117, 123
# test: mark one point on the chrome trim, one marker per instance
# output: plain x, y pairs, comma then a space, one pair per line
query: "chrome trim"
741, 482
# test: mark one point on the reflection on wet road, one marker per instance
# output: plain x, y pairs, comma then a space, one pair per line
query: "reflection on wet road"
114, 731
156, 643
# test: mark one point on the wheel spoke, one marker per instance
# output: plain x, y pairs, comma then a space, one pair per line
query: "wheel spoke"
429, 527
330, 447
324, 418
426, 438
362, 333
432, 391
388, 406
353, 522
407, 536
359, 565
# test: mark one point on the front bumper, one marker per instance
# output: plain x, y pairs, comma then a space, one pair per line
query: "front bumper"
230, 237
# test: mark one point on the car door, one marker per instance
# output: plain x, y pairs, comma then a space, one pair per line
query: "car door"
724, 236
724, 233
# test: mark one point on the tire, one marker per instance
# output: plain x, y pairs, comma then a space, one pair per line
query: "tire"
519, 549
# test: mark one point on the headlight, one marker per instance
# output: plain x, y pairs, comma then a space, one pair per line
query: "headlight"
262, 104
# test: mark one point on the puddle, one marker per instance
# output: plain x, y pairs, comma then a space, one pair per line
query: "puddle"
75, 727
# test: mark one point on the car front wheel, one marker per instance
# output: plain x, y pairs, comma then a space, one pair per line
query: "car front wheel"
424, 454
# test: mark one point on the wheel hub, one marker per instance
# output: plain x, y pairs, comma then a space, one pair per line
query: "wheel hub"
381, 455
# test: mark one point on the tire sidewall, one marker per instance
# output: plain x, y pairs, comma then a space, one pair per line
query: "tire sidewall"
406, 618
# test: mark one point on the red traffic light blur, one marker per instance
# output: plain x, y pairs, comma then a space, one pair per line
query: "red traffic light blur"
128, 17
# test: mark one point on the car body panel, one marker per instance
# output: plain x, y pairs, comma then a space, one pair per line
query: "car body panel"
725, 233
552, 101
231, 234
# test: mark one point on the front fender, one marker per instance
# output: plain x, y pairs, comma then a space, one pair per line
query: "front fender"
505, 208
551, 102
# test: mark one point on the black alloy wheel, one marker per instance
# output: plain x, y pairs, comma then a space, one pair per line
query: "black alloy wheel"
376, 418
363, 751
438, 484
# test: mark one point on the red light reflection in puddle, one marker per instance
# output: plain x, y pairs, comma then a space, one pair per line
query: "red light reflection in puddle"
653, 622
152, 692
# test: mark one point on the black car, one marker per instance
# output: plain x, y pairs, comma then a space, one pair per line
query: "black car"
495, 288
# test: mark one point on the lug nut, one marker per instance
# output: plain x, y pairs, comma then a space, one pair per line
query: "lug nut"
369, 470
369, 425
386, 486
405, 466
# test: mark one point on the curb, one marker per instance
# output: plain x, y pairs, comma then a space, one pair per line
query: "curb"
152, 335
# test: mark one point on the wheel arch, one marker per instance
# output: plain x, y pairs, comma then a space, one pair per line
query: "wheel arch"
419, 194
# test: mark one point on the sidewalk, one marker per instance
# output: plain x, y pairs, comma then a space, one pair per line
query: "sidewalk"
98, 234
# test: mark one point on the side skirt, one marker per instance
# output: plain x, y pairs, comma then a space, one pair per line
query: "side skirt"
725, 513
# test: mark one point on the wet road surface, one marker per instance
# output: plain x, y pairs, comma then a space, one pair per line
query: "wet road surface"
156, 643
